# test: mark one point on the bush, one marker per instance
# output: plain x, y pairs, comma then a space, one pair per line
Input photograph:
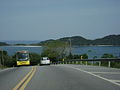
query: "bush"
7, 60
55, 50
107, 55
113, 64
34, 58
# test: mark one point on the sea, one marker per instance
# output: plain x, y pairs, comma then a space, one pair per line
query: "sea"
91, 51
21, 41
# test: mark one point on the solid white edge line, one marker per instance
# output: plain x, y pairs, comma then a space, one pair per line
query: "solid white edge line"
2, 70
115, 80
95, 75
107, 72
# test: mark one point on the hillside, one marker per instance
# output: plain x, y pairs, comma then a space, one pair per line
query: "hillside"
3, 44
78, 40
107, 40
42, 43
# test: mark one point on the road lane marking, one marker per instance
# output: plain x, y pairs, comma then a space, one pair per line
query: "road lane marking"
94, 75
115, 80
6, 69
107, 72
28, 80
18, 85
25, 79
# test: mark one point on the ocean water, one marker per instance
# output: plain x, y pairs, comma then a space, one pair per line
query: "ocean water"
21, 41
13, 49
90, 50
97, 50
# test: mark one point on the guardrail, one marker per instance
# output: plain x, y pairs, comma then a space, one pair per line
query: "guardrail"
90, 61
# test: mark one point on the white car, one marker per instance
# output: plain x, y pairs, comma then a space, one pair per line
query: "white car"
45, 61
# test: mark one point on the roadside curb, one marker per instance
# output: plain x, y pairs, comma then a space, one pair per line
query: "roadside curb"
6, 69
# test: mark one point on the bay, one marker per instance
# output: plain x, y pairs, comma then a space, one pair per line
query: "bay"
98, 51
91, 51
13, 49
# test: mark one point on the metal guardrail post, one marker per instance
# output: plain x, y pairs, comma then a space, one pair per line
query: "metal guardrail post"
109, 64
99, 63
86, 63
76, 62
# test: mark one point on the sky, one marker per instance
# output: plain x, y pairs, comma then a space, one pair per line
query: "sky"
53, 19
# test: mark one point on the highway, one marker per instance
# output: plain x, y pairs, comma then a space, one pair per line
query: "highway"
60, 77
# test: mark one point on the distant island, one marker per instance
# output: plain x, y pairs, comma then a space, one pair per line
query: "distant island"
3, 44
78, 41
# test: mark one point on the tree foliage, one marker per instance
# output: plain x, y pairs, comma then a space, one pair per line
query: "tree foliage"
113, 64
6, 60
107, 55
55, 50
78, 40
35, 58
3, 44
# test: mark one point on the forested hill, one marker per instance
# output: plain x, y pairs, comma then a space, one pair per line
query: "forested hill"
3, 44
108, 40
78, 40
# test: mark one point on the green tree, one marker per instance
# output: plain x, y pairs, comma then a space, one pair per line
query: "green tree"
70, 56
55, 50
6, 60
107, 55
113, 64
35, 58
84, 56
94, 57
76, 56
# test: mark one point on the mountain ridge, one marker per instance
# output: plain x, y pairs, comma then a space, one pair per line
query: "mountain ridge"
79, 40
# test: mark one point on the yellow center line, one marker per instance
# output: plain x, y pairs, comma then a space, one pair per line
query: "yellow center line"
28, 80
23, 83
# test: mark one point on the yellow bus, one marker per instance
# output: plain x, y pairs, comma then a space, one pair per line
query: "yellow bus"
22, 58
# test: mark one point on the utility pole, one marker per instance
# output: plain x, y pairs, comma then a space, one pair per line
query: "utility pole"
70, 45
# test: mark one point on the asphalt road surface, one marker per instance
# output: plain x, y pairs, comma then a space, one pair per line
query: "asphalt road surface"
60, 77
